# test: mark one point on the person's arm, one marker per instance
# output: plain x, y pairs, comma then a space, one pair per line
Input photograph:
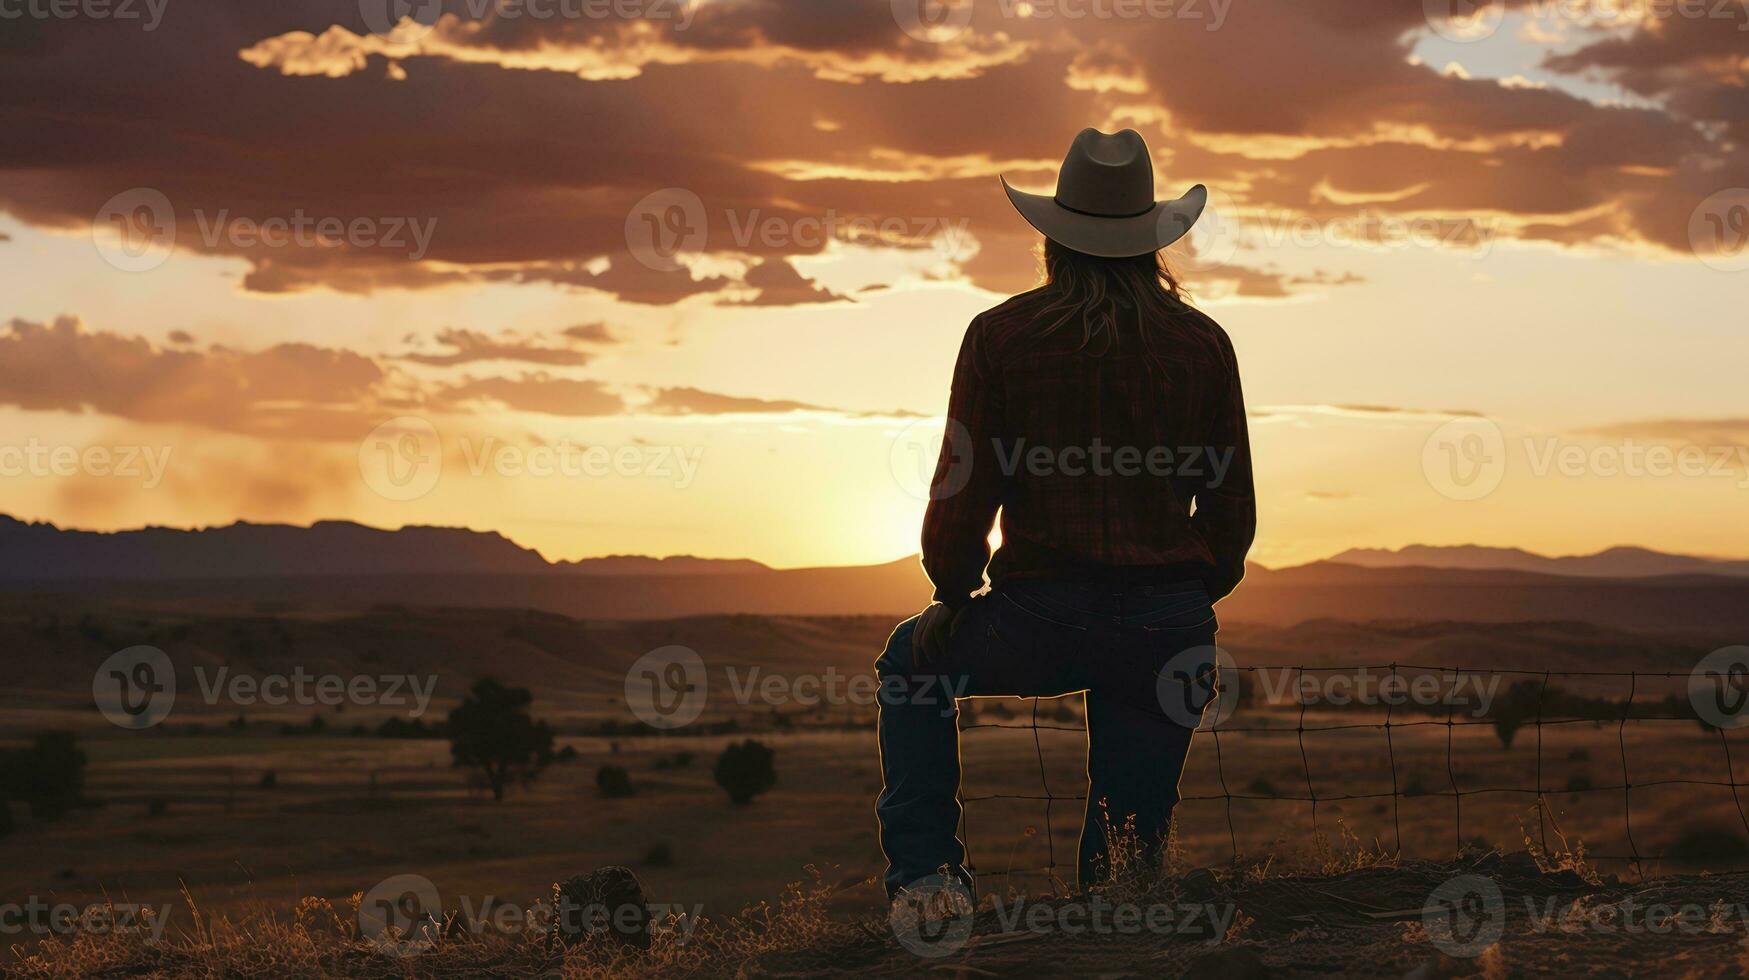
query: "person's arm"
1226, 509
967, 489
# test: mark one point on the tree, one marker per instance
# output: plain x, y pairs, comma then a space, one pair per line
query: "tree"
492, 730
49, 776
613, 782
745, 770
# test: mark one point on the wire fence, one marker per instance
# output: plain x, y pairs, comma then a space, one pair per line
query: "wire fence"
1313, 797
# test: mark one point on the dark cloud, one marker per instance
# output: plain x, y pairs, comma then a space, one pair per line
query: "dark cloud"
779, 284
525, 144
590, 333
469, 346
692, 401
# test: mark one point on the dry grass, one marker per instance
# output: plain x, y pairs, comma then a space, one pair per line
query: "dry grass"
316, 939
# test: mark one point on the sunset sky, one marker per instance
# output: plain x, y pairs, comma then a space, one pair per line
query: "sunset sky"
1534, 224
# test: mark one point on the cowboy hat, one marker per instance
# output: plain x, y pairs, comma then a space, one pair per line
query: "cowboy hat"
1104, 203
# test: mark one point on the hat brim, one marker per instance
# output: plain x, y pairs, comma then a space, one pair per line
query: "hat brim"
1111, 238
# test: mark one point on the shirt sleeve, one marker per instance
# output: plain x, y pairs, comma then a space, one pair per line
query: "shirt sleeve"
967, 488
1226, 508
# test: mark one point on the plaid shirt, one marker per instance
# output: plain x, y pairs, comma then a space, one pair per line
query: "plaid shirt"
1094, 448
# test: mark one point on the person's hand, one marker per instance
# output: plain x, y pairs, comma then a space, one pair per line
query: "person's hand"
929, 640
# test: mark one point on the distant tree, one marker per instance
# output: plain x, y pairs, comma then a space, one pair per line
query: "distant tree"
745, 769
49, 776
613, 782
492, 731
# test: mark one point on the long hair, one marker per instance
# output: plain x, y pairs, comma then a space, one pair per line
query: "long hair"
1087, 288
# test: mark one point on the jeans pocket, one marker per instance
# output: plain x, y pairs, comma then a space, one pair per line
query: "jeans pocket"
1200, 616
1039, 611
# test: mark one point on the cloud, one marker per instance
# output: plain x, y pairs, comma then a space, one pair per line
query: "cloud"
538, 392
779, 284
299, 391
287, 389
590, 333
469, 346
496, 133
1722, 432
692, 401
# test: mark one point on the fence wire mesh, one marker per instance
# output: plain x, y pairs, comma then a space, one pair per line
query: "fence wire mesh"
1211, 736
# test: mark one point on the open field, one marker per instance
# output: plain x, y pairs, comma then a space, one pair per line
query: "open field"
185, 805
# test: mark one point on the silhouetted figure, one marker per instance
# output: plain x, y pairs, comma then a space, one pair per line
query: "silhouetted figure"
1102, 416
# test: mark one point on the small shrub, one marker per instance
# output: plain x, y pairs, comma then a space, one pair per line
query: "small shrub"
269, 779
746, 769
613, 782
1708, 845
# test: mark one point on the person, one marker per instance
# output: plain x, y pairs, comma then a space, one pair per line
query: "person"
1101, 415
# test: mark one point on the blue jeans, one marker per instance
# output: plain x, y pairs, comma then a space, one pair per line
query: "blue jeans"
1145, 657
